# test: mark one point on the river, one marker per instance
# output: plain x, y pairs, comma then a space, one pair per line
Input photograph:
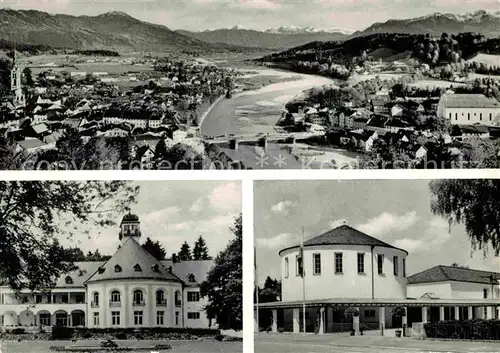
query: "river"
257, 111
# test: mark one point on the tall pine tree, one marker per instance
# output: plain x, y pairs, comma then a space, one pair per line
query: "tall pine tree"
200, 250
155, 249
185, 253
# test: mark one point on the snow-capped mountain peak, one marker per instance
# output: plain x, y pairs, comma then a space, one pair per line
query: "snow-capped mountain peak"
291, 29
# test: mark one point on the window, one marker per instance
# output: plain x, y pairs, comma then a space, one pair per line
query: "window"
115, 296
178, 299
160, 317
176, 318
298, 260
79, 298
137, 268
480, 116
160, 298
64, 299
138, 297
490, 116
287, 269
95, 298
191, 278
317, 264
404, 267
118, 268
361, 263
137, 317
96, 319
68, 280
380, 264
369, 313
456, 116
115, 318
450, 116
45, 319
193, 315
338, 262
395, 264
38, 299
485, 293
193, 296
156, 268
468, 116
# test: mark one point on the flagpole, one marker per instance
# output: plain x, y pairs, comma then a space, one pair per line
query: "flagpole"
303, 284
257, 288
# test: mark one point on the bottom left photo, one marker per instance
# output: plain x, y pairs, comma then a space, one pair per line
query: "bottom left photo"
149, 266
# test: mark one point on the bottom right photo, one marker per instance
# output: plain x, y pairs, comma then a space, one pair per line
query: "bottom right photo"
377, 265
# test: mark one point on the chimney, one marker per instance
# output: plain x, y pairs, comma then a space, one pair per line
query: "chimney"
233, 144
263, 143
174, 258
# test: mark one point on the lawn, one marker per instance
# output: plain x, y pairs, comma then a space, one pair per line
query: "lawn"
487, 59
201, 346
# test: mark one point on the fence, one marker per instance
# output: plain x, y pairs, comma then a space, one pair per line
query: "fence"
467, 329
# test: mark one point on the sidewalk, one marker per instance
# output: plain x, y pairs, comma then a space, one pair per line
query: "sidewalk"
378, 343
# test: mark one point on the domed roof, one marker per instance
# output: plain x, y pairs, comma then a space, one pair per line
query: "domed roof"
344, 235
129, 217
132, 262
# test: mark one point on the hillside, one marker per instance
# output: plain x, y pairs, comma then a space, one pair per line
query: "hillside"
110, 31
256, 39
482, 22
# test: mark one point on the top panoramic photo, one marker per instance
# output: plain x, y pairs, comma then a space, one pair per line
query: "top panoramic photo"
249, 84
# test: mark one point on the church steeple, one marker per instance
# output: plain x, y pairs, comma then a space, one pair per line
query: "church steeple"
130, 227
16, 85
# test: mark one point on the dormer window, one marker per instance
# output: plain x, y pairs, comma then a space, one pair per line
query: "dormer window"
100, 270
137, 268
156, 268
118, 268
69, 280
191, 278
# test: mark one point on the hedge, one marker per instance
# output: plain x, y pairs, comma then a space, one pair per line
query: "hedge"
477, 329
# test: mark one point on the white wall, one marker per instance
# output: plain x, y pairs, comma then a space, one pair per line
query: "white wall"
203, 321
460, 115
349, 284
452, 290
441, 290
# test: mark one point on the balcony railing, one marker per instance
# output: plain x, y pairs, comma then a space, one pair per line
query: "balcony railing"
162, 302
94, 305
115, 304
141, 303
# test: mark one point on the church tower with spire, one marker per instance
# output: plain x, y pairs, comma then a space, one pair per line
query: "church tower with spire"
16, 85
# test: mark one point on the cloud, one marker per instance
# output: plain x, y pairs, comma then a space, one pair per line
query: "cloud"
160, 215
337, 223
435, 236
277, 241
256, 4
388, 222
283, 207
226, 197
197, 206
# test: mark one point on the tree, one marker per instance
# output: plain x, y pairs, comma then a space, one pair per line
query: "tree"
33, 214
472, 203
185, 253
28, 76
155, 249
200, 250
271, 291
224, 283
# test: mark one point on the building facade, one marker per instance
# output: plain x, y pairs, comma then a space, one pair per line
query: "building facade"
131, 289
469, 109
16, 86
345, 268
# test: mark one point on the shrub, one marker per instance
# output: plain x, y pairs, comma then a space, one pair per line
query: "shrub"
477, 329
163, 347
61, 333
18, 331
108, 344
121, 336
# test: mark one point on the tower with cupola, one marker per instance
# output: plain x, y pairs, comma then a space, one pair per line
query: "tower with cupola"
130, 227
16, 85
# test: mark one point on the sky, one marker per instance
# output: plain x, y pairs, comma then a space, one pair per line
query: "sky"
259, 14
394, 211
173, 212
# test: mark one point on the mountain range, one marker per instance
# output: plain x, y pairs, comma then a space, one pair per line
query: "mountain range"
486, 23
121, 32
112, 30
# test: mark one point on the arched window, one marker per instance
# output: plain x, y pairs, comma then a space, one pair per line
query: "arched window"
69, 280
137, 268
138, 297
95, 299
160, 298
118, 268
191, 278
115, 296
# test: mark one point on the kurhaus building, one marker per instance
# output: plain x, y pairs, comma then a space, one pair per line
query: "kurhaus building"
346, 268
131, 289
